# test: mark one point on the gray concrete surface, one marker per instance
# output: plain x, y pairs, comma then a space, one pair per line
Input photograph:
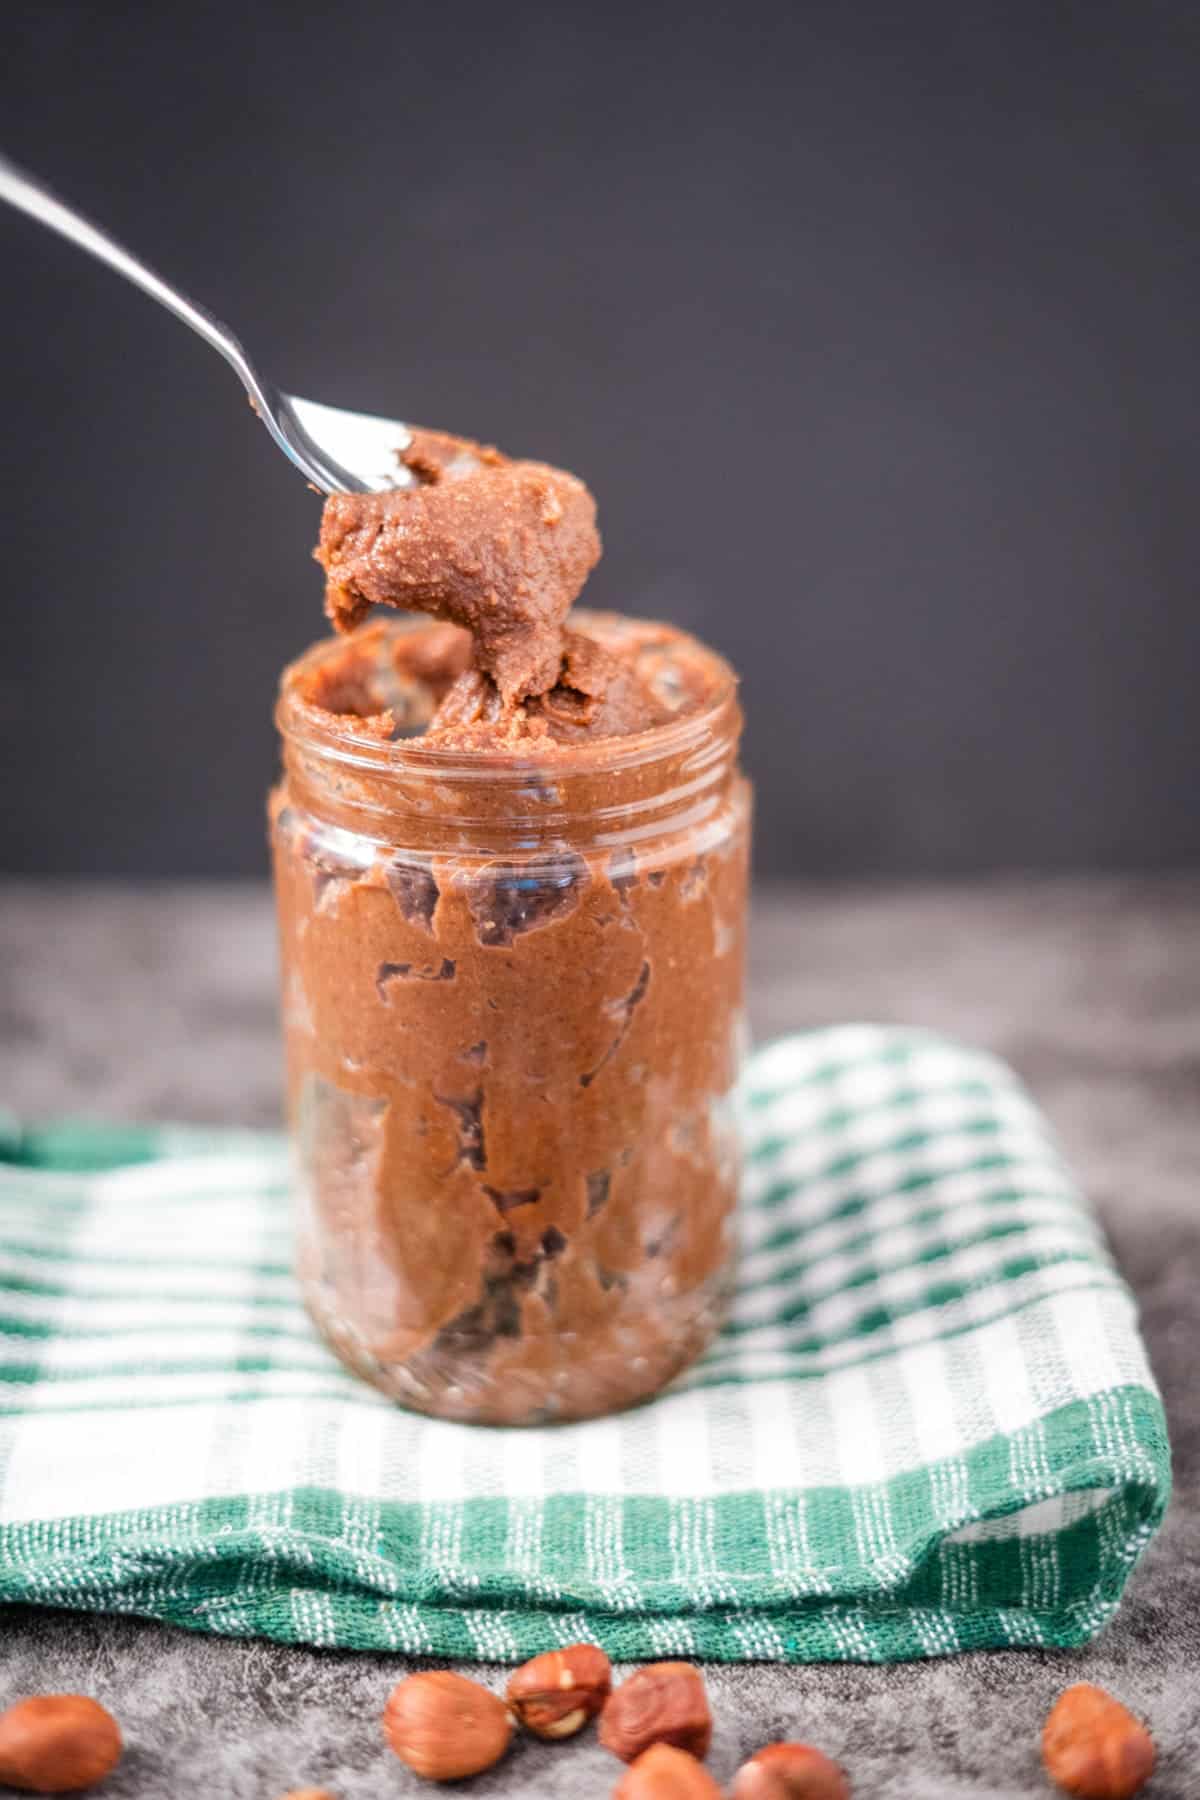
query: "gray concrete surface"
159, 1003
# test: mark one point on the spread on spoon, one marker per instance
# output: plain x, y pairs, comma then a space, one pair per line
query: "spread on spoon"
499, 547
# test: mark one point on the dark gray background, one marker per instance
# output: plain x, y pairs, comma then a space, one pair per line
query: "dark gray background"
874, 328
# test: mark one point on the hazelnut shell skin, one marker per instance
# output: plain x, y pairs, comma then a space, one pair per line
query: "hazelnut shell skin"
660, 1703
666, 1773
1094, 1748
446, 1727
555, 1694
790, 1771
57, 1744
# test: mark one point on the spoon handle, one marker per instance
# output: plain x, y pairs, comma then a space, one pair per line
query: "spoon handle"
29, 195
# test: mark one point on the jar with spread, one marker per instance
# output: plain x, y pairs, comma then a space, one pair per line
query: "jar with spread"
512, 920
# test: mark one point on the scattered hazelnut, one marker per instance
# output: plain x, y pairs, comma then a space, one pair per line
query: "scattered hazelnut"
444, 1726
1094, 1747
662, 1703
57, 1743
664, 1773
556, 1694
790, 1772
307, 1794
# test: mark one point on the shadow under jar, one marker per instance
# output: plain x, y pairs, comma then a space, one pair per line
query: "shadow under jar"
512, 1002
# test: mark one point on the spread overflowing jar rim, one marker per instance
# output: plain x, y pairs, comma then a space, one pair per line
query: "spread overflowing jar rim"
347, 737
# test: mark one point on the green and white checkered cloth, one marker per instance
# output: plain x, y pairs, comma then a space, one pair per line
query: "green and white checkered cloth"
929, 1425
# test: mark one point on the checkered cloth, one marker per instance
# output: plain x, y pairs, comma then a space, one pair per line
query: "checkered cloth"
928, 1426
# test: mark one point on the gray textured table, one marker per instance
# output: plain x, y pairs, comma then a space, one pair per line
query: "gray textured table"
160, 1004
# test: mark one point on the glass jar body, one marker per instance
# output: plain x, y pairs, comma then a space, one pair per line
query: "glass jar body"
512, 1001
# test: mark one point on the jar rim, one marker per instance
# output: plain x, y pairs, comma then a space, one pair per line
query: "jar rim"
312, 728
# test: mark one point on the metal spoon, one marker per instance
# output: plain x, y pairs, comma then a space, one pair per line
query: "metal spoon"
339, 452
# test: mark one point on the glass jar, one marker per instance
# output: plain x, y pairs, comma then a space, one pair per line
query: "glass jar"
512, 993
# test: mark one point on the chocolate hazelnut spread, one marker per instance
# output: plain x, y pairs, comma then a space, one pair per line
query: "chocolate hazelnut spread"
510, 863
500, 547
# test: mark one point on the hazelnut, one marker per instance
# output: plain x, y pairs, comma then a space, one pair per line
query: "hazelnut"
556, 1694
57, 1743
1094, 1747
790, 1772
664, 1773
662, 1703
444, 1726
307, 1794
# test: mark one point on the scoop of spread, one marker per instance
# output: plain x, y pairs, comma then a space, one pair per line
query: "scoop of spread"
500, 547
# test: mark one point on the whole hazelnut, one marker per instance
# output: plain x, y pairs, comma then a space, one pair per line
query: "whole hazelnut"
444, 1726
662, 1703
556, 1694
1094, 1747
57, 1743
307, 1794
790, 1772
664, 1773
